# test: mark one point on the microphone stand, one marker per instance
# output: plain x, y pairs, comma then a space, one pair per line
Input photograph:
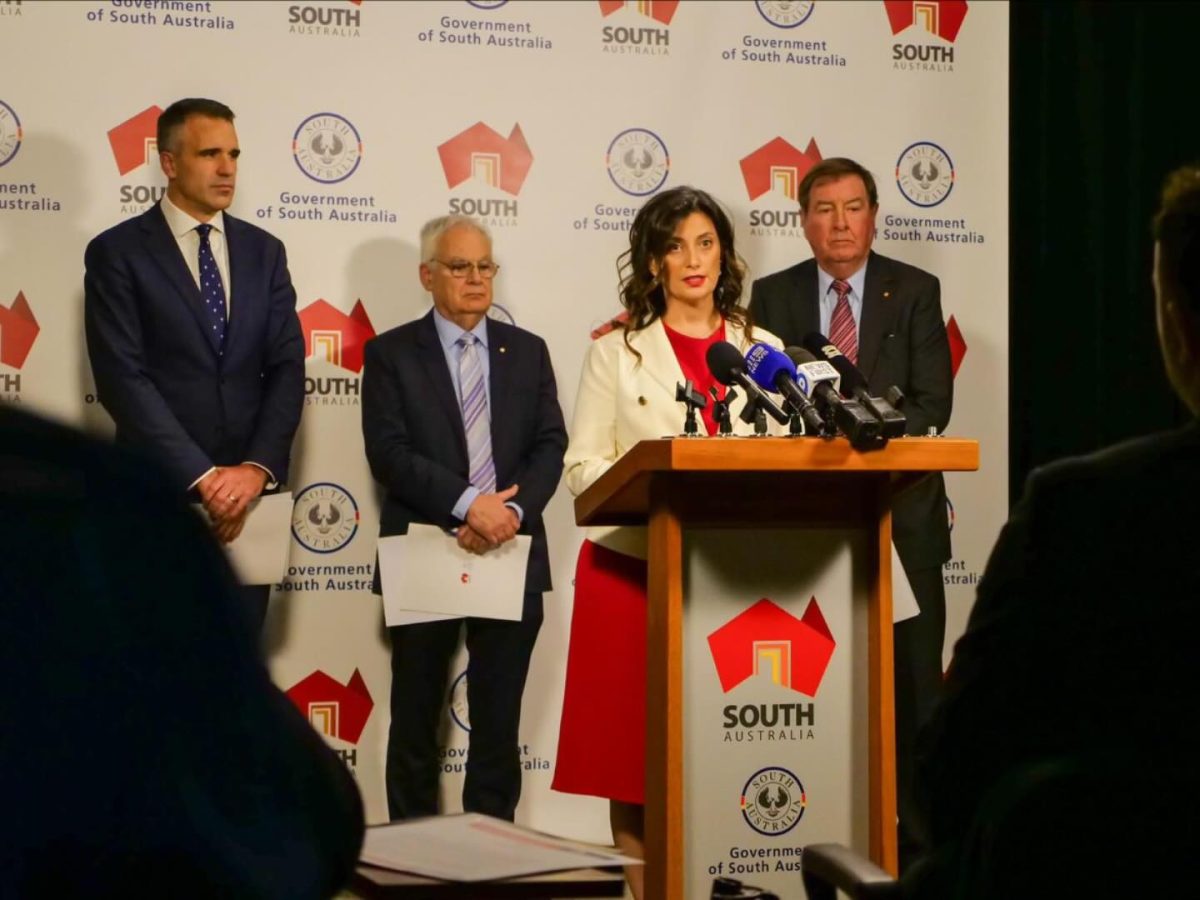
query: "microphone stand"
721, 410
687, 394
753, 412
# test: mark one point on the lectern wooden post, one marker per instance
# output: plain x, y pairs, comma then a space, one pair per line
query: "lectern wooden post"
673, 485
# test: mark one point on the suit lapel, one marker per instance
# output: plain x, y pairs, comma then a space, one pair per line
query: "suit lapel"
806, 312
877, 300
501, 363
429, 348
241, 302
658, 358
165, 253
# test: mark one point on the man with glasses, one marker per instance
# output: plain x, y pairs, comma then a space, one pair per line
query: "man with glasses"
463, 430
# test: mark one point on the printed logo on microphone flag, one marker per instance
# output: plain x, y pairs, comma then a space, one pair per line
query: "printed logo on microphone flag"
767, 640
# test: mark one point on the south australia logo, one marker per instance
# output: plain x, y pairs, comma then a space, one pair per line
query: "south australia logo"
637, 27
773, 173
483, 159
932, 26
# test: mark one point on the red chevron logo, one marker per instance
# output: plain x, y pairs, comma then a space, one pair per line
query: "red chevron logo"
482, 153
18, 330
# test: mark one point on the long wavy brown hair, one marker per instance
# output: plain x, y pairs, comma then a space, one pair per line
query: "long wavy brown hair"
653, 229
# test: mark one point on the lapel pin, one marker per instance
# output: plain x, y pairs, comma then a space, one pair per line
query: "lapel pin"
503, 349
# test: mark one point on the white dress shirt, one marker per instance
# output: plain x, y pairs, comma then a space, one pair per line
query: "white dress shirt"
183, 227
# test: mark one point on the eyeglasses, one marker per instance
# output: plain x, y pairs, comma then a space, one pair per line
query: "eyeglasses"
460, 268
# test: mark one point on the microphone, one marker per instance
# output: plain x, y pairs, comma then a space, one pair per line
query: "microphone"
819, 379
773, 371
728, 367
892, 421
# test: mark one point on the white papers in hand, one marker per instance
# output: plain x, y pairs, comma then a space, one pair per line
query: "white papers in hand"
259, 555
426, 576
475, 847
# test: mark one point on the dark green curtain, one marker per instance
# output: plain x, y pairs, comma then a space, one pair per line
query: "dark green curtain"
1103, 104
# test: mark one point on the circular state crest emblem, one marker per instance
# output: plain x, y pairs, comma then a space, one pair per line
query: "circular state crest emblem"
327, 148
773, 801
785, 13
924, 174
10, 133
324, 517
459, 711
638, 161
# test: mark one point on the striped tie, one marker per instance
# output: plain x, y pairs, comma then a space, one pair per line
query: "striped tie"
476, 420
842, 332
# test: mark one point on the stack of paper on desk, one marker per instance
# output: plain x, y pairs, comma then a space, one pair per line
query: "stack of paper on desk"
475, 847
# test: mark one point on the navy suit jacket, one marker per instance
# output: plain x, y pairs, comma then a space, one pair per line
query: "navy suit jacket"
416, 446
901, 341
156, 368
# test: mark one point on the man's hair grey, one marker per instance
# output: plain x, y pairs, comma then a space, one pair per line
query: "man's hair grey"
432, 231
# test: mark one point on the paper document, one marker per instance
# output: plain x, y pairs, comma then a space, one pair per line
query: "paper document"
904, 601
475, 847
426, 576
259, 555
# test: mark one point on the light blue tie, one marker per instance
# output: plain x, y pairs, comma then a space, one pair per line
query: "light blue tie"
477, 422
212, 292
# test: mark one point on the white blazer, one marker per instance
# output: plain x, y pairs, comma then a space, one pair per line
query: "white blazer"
622, 401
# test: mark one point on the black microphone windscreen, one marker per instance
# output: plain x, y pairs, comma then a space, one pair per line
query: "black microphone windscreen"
799, 355
724, 361
852, 378
815, 342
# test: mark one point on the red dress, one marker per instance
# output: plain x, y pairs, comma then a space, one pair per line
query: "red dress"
602, 735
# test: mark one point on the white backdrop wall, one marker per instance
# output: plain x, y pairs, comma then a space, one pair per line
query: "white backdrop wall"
360, 119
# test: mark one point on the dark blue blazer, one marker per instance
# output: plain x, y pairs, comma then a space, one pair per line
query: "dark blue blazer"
414, 438
157, 370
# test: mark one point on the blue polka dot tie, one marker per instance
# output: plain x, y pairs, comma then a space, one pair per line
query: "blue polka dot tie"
212, 291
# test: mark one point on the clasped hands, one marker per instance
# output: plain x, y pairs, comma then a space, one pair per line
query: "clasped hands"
226, 493
489, 522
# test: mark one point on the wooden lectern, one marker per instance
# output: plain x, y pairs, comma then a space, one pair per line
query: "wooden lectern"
805, 483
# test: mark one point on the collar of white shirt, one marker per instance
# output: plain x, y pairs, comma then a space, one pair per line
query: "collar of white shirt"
181, 223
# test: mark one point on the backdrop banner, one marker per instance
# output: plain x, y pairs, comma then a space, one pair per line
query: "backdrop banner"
553, 122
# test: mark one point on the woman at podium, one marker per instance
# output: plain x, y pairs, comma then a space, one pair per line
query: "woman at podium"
681, 283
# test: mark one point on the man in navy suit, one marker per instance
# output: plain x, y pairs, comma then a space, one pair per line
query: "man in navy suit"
192, 330
890, 326
463, 430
